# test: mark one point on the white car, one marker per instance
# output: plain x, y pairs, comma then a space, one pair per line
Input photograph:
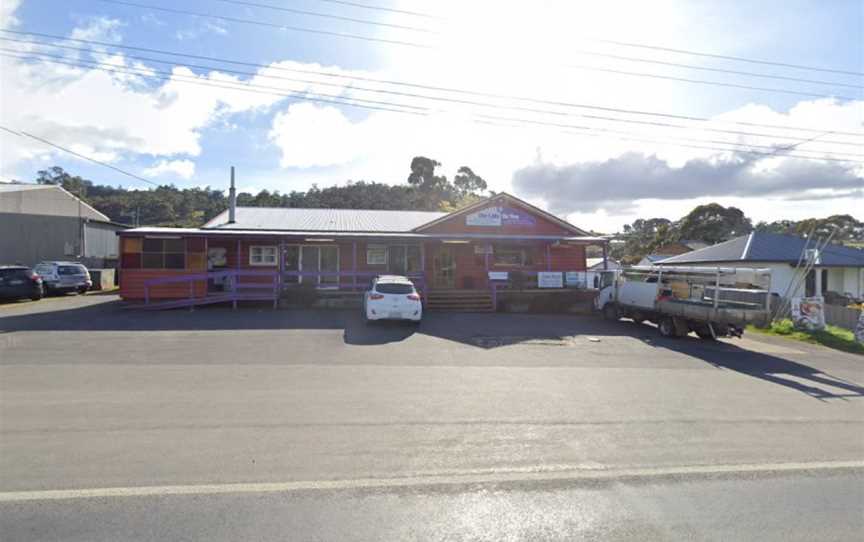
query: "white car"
62, 277
392, 297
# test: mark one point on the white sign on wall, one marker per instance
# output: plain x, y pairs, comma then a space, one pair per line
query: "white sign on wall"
491, 216
498, 275
550, 279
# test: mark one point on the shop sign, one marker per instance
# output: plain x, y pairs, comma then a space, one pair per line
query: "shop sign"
549, 279
498, 275
480, 250
499, 216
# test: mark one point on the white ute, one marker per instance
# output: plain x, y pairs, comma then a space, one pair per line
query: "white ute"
392, 297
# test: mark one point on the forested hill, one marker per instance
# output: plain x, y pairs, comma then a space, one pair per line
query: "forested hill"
171, 206
424, 190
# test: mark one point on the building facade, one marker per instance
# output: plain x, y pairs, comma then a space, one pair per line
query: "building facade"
500, 242
45, 222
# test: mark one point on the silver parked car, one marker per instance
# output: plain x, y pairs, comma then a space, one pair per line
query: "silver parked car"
64, 277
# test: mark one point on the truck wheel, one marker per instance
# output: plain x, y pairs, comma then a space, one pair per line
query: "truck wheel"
610, 312
705, 334
666, 327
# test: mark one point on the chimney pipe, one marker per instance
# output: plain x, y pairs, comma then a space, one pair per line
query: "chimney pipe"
232, 200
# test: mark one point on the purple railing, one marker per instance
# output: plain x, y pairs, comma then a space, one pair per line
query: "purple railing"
230, 280
232, 283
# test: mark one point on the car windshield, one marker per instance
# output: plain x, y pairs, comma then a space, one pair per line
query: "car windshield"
13, 273
70, 270
394, 288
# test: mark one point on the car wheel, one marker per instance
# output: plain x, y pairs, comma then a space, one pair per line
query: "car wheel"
667, 328
82, 291
610, 312
38, 294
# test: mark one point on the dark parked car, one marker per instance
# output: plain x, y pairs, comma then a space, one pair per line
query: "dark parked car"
18, 281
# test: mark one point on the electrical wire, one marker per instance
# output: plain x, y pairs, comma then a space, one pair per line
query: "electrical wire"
388, 105
20, 133
356, 103
428, 46
411, 85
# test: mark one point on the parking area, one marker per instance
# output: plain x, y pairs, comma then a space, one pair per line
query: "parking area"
94, 395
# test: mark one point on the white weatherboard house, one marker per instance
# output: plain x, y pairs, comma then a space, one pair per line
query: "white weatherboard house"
838, 269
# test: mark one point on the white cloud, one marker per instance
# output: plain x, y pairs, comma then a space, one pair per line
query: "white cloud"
99, 29
7, 13
184, 169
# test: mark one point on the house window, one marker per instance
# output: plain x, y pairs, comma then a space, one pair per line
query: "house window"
403, 259
513, 255
163, 254
376, 255
262, 255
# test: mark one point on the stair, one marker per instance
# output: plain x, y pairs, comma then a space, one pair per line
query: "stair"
459, 301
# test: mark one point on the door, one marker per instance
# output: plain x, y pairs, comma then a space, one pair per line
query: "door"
443, 268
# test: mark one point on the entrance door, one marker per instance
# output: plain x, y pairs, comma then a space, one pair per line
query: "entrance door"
443, 268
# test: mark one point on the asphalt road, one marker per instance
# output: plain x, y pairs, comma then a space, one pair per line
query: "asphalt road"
251, 424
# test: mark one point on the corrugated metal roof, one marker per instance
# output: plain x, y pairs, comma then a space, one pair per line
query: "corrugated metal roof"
768, 247
323, 220
18, 187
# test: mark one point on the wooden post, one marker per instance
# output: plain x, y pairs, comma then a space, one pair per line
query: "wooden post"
236, 276
354, 266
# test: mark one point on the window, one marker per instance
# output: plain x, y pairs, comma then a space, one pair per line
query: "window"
163, 254
511, 255
262, 255
403, 259
376, 255
394, 288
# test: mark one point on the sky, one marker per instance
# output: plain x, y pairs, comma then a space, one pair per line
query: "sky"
531, 95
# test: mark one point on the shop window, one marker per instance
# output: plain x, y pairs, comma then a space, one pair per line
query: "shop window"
513, 255
263, 255
376, 255
163, 254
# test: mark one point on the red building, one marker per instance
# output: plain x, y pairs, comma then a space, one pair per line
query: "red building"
258, 253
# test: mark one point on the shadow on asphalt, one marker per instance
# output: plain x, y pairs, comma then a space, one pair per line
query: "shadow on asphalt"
479, 330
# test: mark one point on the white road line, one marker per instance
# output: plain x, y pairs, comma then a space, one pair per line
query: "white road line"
575, 475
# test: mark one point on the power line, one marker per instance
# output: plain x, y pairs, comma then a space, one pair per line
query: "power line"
321, 15
644, 46
64, 60
267, 24
581, 52
168, 76
79, 155
313, 98
428, 46
412, 85
728, 57
381, 8
716, 70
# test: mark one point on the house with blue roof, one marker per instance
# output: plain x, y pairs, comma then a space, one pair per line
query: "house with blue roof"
837, 269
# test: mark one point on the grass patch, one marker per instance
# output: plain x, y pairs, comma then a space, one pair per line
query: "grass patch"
832, 336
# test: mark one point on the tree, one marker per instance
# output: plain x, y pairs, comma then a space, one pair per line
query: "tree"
713, 223
641, 237
467, 182
58, 176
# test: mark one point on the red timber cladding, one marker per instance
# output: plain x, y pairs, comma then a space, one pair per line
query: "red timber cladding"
132, 284
568, 258
457, 224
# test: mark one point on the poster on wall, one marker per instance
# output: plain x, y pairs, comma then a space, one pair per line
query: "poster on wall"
550, 279
499, 216
808, 313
